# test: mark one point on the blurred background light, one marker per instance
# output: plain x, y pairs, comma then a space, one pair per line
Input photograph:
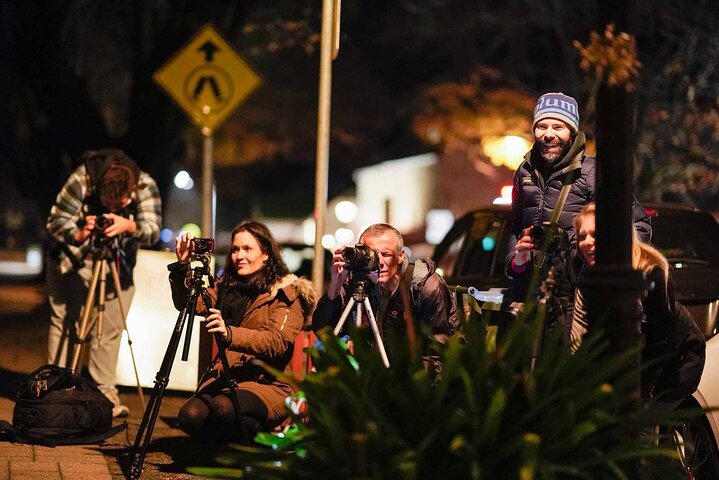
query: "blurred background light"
166, 235
439, 221
308, 231
328, 241
344, 236
183, 180
506, 150
346, 211
192, 228
505, 196
292, 258
488, 243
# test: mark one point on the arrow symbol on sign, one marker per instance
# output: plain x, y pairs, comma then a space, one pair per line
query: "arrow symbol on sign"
209, 49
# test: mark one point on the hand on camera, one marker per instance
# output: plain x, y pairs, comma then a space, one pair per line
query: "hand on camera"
338, 273
216, 324
523, 248
117, 225
84, 233
182, 247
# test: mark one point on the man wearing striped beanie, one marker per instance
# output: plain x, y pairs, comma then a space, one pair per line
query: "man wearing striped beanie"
555, 125
556, 159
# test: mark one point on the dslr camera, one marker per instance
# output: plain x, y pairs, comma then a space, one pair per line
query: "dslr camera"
200, 246
102, 222
553, 236
360, 258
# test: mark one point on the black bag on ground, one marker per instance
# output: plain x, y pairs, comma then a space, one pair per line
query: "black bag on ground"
56, 407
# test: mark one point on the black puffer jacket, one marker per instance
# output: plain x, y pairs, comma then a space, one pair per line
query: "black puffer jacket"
535, 194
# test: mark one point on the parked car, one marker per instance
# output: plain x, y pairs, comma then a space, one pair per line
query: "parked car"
473, 252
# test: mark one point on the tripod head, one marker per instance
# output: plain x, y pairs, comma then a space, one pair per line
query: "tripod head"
360, 284
103, 247
202, 270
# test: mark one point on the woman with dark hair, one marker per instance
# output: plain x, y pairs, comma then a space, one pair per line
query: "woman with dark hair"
259, 310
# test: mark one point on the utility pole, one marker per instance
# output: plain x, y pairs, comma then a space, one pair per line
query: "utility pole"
329, 48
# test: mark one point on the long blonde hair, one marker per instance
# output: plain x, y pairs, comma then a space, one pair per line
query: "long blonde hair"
644, 257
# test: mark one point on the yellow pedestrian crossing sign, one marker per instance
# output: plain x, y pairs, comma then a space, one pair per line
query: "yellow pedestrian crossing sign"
207, 79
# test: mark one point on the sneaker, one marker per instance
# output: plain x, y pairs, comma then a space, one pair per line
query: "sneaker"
118, 409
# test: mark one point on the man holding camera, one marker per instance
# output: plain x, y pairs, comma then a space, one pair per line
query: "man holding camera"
399, 283
555, 167
107, 204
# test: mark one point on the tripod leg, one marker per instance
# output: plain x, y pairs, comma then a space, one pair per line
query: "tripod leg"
86, 312
375, 330
123, 316
101, 299
147, 425
343, 318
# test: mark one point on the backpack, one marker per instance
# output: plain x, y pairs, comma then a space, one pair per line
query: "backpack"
56, 407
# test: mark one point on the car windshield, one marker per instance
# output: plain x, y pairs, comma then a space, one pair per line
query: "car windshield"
684, 241
482, 243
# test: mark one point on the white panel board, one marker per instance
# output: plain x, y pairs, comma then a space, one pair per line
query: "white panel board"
151, 320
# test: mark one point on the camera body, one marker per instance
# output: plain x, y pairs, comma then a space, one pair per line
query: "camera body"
102, 222
200, 246
360, 258
553, 236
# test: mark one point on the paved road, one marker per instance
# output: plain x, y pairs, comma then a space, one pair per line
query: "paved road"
23, 343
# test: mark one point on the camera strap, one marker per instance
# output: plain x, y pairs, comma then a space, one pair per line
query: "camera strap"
563, 194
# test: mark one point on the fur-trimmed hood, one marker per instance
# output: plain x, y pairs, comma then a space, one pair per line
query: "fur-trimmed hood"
306, 291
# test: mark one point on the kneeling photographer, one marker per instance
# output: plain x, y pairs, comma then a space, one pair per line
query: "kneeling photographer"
259, 309
384, 264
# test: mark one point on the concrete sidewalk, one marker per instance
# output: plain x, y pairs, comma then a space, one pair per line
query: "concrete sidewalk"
35, 462
169, 454
23, 340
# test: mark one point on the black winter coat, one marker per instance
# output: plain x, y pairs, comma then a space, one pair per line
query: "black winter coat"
535, 195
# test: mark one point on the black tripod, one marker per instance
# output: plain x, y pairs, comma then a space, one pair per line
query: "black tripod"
358, 289
186, 316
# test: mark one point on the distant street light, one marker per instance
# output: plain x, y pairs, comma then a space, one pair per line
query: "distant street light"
346, 211
344, 236
308, 231
507, 150
183, 180
328, 241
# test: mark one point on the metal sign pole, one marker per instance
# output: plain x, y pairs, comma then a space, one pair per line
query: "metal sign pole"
330, 36
208, 214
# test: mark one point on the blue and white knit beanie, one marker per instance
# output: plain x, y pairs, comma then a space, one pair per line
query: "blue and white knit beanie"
557, 105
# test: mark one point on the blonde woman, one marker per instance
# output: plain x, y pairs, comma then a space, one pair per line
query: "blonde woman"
673, 347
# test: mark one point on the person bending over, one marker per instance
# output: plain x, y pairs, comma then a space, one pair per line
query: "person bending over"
110, 201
